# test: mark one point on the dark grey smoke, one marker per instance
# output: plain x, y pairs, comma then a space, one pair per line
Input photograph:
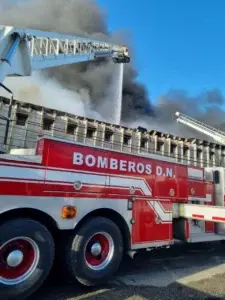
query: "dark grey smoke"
83, 17
207, 107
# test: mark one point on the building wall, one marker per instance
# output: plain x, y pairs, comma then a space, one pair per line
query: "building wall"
28, 120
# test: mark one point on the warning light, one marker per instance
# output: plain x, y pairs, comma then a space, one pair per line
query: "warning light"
69, 212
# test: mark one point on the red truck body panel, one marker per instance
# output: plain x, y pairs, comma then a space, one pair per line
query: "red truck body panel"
154, 184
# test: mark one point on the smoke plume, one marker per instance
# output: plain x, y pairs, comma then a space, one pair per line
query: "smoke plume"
207, 107
93, 79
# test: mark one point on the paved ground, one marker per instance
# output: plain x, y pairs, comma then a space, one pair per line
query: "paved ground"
178, 274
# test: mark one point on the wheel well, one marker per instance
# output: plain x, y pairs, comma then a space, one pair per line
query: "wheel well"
114, 217
33, 214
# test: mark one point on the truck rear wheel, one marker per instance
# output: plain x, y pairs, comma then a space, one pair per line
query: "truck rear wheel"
95, 252
26, 257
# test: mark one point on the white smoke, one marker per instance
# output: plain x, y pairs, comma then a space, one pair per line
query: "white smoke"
47, 92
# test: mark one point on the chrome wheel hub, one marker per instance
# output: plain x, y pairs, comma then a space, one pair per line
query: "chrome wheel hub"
96, 249
15, 258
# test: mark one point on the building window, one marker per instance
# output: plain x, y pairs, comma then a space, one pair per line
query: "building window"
185, 151
159, 146
47, 124
199, 152
143, 143
173, 148
126, 139
211, 155
90, 133
71, 129
108, 136
222, 162
21, 119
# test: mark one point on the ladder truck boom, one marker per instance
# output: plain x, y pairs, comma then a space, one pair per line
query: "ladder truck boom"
216, 134
24, 50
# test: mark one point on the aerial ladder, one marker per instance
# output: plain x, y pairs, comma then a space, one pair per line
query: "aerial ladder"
216, 134
24, 50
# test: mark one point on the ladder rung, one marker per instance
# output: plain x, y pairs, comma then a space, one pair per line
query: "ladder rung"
45, 46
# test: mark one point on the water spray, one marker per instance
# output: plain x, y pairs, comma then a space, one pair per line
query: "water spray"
119, 94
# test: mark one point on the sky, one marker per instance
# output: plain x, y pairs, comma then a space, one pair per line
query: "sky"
179, 44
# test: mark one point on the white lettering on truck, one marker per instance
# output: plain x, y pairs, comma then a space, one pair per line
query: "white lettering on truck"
159, 171
169, 172
115, 164
102, 162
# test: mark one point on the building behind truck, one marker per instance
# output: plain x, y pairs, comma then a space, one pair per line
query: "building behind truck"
29, 119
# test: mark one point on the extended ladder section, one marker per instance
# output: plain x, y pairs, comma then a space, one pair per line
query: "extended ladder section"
25, 50
216, 134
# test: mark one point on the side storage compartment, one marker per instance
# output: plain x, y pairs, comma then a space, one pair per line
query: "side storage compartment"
153, 222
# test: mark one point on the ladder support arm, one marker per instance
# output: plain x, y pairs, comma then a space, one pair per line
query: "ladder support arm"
9, 53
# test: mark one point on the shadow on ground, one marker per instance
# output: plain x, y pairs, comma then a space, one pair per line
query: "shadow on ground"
75, 292
207, 289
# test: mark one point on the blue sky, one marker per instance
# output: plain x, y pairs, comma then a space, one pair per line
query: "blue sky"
179, 44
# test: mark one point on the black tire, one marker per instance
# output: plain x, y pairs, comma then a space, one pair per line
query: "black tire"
39, 238
75, 256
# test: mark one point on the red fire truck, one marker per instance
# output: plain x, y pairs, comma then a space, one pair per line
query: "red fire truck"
94, 205
89, 204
